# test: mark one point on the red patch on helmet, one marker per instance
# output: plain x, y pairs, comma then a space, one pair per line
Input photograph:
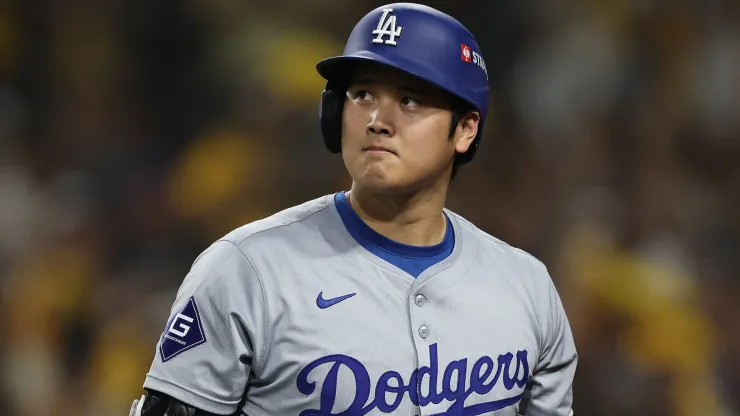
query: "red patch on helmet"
466, 54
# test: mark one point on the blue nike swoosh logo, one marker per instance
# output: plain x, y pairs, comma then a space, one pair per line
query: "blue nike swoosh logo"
325, 303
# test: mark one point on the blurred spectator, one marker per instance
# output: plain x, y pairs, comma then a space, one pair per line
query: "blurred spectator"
134, 133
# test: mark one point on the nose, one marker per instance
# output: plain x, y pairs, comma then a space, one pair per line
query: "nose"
380, 123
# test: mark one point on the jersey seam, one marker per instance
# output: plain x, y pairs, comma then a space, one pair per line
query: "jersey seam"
544, 335
262, 291
189, 391
284, 224
553, 300
498, 241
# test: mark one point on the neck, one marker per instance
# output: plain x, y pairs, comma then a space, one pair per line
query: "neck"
415, 218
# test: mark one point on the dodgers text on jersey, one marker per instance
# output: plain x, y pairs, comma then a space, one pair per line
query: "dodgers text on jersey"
421, 385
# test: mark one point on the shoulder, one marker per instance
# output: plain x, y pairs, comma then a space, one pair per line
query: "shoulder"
302, 218
516, 261
290, 229
240, 252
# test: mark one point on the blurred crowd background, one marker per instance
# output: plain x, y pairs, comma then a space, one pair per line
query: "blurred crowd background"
133, 133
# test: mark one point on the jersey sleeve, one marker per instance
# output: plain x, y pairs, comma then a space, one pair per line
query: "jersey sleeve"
204, 355
550, 392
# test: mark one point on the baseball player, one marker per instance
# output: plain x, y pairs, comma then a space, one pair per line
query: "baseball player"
377, 300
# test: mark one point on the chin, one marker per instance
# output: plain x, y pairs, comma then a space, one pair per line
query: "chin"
381, 177
381, 183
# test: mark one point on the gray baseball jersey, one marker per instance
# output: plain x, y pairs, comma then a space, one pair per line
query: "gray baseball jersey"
292, 315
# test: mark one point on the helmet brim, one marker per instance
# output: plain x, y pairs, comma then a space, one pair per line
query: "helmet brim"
338, 71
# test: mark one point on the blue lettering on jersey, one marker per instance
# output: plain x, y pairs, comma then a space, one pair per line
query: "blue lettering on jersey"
478, 382
184, 331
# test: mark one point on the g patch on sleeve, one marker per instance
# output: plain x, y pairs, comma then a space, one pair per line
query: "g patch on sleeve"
184, 331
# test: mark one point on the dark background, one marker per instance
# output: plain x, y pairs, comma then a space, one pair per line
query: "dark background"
134, 133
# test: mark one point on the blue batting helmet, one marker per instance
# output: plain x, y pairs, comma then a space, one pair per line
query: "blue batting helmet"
418, 40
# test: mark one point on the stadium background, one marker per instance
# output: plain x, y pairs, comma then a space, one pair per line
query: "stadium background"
133, 133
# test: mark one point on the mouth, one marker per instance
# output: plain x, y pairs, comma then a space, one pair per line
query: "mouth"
377, 149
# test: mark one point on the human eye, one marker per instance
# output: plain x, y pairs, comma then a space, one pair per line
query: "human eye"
361, 95
410, 102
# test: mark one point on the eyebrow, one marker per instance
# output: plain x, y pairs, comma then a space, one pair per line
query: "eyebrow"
411, 90
372, 81
364, 81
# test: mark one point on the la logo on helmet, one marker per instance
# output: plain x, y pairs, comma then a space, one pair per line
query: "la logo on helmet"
387, 27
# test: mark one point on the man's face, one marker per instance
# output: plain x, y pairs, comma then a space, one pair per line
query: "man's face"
395, 131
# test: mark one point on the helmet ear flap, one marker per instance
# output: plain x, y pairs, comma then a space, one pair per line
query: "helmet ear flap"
330, 114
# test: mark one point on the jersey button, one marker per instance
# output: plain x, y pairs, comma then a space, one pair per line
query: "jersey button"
423, 331
420, 300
